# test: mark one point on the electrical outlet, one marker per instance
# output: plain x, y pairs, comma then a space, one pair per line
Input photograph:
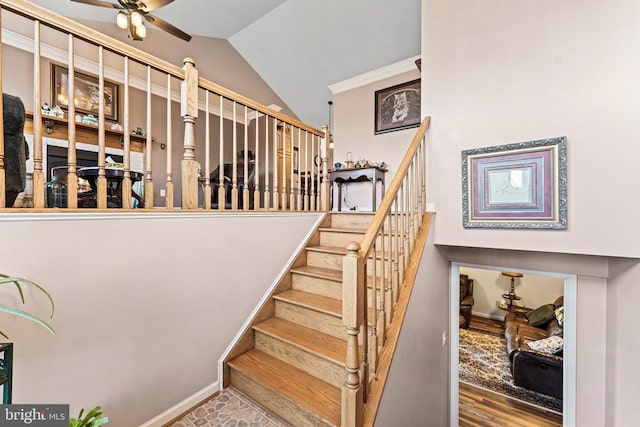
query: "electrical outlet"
163, 192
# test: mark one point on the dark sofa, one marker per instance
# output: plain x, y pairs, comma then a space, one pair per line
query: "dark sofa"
531, 369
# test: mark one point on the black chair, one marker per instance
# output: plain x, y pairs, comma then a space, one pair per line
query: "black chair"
214, 180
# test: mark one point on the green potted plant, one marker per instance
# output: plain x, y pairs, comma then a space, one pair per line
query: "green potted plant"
94, 418
19, 283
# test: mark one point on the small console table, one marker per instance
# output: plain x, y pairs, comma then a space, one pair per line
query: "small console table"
372, 174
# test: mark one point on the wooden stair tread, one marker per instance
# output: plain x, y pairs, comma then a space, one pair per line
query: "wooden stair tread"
338, 250
343, 230
315, 302
328, 249
323, 345
311, 393
319, 272
348, 230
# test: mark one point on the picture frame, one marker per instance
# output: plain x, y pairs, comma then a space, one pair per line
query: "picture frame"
521, 185
86, 93
397, 107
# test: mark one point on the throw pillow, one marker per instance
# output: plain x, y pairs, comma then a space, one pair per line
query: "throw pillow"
560, 315
541, 315
551, 345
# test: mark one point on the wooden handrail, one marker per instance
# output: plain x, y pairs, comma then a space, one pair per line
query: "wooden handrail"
406, 192
390, 194
243, 100
59, 22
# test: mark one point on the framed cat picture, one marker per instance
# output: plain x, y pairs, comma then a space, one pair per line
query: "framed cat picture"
397, 107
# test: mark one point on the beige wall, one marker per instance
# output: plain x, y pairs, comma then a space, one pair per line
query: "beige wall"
354, 118
489, 285
145, 305
497, 72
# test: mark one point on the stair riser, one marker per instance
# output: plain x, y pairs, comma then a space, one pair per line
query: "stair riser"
316, 285
274, 401
342, 239
324, 260
339, 238
321, 322
330, 260
350, 221
310, 363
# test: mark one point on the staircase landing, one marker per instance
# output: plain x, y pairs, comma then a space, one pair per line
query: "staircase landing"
229, 407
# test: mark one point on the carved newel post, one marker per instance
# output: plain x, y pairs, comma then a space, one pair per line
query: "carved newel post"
352, 317
189, 113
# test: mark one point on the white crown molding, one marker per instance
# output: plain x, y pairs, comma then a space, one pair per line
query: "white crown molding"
373, 76
52, 53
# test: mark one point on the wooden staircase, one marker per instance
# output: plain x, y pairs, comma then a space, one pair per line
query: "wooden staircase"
293, 359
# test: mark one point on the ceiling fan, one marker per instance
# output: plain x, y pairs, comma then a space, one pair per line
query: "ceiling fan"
132, 13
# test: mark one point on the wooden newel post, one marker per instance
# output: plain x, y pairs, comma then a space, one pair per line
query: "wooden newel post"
352, 317
324, 189
189, 113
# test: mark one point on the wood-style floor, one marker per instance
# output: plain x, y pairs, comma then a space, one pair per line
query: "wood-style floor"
483, 408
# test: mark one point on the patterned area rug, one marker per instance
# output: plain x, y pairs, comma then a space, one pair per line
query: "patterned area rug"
484, 363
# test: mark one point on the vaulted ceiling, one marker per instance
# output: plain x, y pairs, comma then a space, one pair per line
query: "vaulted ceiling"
299, 47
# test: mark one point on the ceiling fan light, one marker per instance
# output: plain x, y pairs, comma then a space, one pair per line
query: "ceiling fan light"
136, 19
141, 31
122, 20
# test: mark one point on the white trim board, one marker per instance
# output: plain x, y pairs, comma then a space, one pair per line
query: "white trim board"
52, 53
373, 76
182, 407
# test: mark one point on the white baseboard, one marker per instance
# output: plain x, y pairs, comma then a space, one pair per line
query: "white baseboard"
182, 407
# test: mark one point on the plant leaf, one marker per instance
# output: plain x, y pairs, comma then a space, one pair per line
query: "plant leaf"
27, 315
17, 281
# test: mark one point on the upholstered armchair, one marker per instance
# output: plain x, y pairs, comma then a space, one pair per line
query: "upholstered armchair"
466, 300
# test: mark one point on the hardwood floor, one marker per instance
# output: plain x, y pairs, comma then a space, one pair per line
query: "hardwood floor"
482, 408
486, 324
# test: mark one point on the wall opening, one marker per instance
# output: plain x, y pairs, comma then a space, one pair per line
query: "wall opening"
489, 290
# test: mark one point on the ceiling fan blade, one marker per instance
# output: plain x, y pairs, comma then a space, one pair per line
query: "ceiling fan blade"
149, 5
164, 25
99, 3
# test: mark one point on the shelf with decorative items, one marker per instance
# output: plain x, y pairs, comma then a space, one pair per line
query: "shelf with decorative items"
58, 128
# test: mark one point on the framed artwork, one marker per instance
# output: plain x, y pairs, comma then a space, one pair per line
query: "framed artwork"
397, 107
86, 97
522, 185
